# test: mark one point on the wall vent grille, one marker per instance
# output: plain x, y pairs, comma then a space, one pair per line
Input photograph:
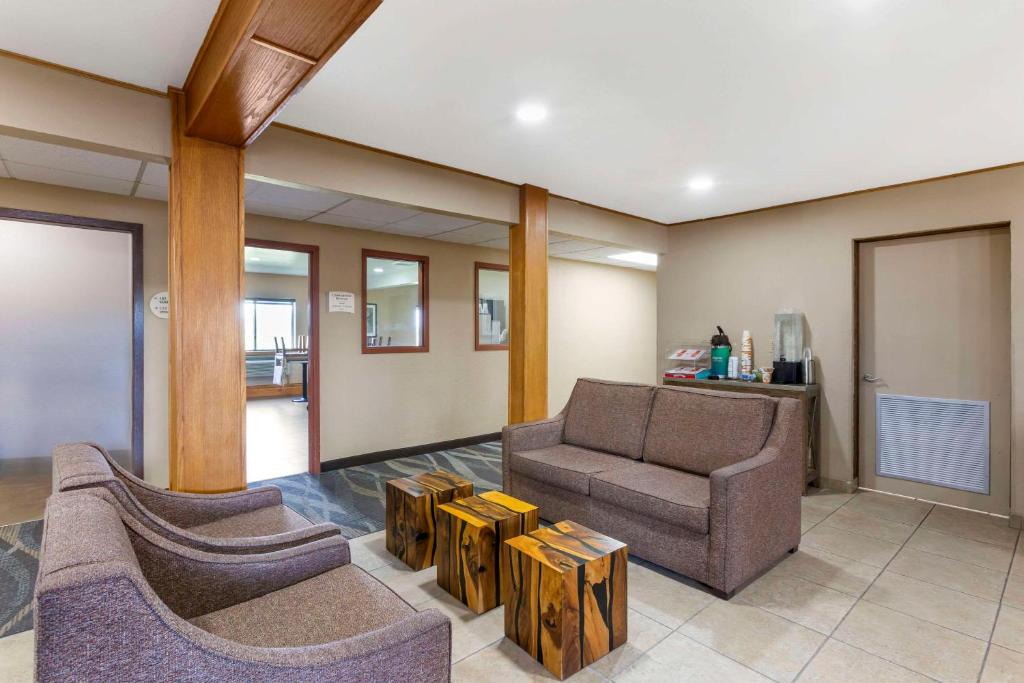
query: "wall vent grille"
939, 441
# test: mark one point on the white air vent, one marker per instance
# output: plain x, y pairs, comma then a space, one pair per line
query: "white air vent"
933, 440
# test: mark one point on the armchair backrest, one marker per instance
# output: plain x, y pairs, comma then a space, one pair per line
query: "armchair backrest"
700, 431
608, 416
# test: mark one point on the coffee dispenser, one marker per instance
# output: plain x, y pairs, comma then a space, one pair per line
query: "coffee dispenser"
787, 361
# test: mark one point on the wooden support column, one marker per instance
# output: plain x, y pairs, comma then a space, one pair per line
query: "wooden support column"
206, 233
528, 303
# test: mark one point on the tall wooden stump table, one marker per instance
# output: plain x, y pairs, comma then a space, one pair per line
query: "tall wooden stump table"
470, 535
411, 509
565, 600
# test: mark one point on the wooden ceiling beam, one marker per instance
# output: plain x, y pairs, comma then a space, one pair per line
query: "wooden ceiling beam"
257, 55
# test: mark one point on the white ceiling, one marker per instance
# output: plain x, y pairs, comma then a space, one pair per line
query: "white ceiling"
150, 43
58, 165
276, 261
777, 101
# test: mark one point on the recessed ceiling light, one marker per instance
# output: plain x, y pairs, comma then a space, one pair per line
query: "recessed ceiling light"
378, 270
642, 257
701, 184
531, 112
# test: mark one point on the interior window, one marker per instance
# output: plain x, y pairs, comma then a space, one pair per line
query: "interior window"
491, 307
395, 302
266, 319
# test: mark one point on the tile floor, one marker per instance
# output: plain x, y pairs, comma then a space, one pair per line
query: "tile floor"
882, 589
276, 441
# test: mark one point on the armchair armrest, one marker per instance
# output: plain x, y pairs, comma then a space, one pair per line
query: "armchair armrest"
755, 505
191, 509
528, 436
214, 581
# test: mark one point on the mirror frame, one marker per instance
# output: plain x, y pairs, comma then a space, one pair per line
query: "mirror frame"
424, 265
477, 267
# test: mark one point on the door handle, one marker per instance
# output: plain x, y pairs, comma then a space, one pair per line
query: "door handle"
868, 377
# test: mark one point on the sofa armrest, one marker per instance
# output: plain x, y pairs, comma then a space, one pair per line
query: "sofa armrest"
755, 505
528, 436
191, 509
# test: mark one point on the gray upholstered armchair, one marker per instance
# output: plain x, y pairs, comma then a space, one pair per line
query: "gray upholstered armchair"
255, 520
115, 601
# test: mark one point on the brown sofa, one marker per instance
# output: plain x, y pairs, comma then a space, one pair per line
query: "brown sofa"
254, 520
704, 483
115, 601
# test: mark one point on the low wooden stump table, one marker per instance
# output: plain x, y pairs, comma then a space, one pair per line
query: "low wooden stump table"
470, 535
565, 600
411, 509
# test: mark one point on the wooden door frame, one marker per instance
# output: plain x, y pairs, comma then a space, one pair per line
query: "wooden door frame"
857, 242
138, 322
313, 371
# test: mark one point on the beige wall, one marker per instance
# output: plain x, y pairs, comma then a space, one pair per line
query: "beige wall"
601, 323
739, 271
379, 402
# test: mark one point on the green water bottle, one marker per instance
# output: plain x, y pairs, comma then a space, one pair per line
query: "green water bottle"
720, 351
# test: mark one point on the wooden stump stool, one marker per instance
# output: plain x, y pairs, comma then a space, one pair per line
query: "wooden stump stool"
470, 535
411, 507
565, 601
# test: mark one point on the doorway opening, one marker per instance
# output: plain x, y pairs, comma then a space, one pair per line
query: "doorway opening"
281, 313
71, 301
932, 366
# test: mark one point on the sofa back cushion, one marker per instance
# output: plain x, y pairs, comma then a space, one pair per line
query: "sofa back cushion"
608, 416
701, 431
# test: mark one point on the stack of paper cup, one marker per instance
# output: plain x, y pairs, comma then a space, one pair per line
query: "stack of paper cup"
747, 354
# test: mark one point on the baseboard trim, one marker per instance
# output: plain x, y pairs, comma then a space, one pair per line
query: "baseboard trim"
382, 456
838, 485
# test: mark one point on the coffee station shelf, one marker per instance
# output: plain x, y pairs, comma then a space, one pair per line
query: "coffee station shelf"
808, 394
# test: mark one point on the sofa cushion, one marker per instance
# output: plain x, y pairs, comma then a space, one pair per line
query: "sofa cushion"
338, 604
567, 467
679, 498
274, 519
702, 431
608, 416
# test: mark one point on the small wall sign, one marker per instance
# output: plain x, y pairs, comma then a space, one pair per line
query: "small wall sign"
160, 305
341, 302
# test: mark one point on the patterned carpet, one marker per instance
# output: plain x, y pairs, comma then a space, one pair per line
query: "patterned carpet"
353, 498
19, 563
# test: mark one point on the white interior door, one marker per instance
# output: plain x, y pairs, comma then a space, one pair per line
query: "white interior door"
935, 323
66, 321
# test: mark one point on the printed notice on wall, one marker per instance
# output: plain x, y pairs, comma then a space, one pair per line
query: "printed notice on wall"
341, 302
160, 304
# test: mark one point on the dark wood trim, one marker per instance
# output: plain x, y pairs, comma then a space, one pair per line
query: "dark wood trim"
138, 307
257, 391
477, 267
382, 456
313, 376
424, 301
856, 244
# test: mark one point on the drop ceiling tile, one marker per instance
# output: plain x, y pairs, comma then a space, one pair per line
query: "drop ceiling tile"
376, 212
3, 170
155, 174
556, 237
145, 191
345, 222
426, 224
308, 201
604, 252
473, 234
82, 181
277, 211
501, 243
568, 246
68, 158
